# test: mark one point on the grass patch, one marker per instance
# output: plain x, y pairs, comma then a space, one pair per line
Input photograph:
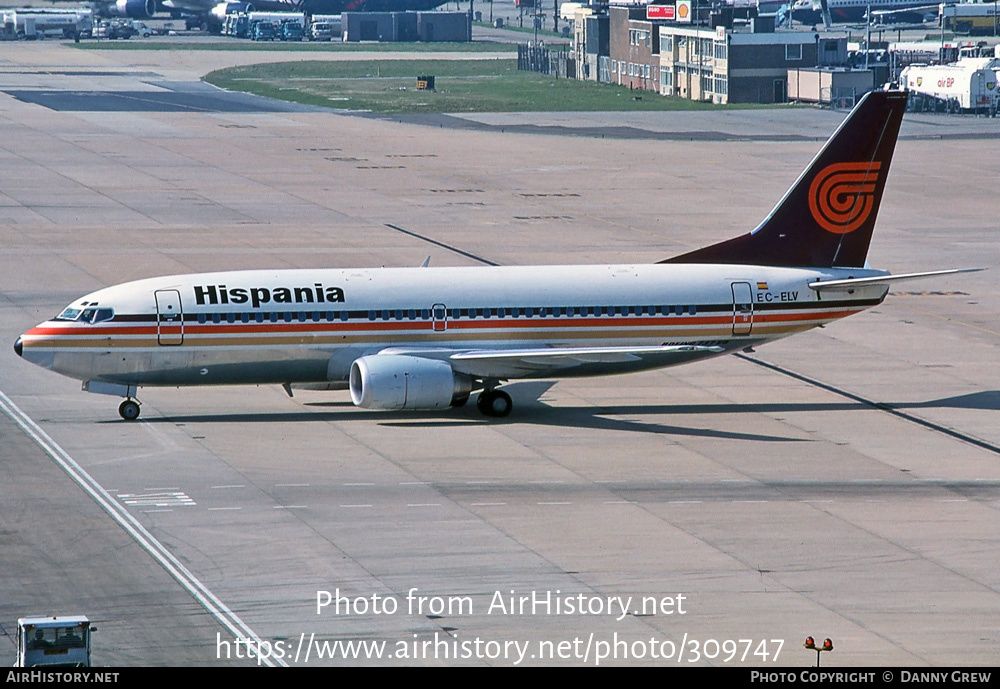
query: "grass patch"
389, 86
304, 47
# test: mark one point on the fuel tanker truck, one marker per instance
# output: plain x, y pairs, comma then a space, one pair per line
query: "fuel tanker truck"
969, 85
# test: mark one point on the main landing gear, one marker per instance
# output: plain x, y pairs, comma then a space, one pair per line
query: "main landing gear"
129, 410
493, 402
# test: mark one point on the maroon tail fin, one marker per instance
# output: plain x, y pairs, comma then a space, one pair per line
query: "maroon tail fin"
827, 217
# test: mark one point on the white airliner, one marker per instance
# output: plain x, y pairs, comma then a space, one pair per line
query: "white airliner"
427, 338
811, 11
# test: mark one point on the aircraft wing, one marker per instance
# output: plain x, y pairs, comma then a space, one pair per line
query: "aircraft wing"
923, 9
545, 362
541, 362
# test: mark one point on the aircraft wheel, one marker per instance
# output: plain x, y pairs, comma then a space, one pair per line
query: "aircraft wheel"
129, 410
494, 403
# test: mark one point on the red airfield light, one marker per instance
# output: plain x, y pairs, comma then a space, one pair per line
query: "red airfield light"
810, 643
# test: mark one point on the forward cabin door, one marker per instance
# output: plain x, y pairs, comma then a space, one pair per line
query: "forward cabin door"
169, 317
742, 308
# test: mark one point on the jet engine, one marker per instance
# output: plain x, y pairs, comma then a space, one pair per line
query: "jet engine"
136, 9
397, 381
220, 11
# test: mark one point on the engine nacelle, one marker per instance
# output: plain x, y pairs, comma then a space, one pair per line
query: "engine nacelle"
136, 9
223, 8
397, 381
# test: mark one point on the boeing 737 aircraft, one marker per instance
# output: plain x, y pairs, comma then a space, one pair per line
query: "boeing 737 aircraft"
427, 338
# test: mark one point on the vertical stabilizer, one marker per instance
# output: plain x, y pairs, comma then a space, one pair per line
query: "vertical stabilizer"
827, 217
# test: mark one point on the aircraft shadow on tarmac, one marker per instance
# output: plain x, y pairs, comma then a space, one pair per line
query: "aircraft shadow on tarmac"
531, 410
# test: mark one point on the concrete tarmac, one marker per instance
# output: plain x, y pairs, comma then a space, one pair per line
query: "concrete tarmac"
842, 483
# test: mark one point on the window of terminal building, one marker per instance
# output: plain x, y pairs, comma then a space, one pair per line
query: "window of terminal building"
721, 50
638, 37
666, 43
793, 52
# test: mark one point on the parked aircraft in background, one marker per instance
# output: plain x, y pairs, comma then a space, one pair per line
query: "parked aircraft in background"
339, 6
212, 12
811, 11
206, 10
427, 338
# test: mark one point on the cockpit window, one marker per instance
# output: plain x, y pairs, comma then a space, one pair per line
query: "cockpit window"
87, 315
69, 314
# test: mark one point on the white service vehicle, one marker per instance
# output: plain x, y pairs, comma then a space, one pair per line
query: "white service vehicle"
34, 23
326, 27
53, 641
969, 84
320, 31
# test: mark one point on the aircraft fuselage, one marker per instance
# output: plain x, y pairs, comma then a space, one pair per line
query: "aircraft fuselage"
308, 326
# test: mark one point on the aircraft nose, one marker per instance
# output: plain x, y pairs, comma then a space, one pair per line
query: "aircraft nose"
18, 347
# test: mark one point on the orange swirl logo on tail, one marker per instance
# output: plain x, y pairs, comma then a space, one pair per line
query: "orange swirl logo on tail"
842, 195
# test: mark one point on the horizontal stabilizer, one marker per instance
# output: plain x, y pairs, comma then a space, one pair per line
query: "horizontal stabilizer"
851, 283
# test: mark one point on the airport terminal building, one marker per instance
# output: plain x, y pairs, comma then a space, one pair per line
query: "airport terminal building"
724, 66
720, 61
